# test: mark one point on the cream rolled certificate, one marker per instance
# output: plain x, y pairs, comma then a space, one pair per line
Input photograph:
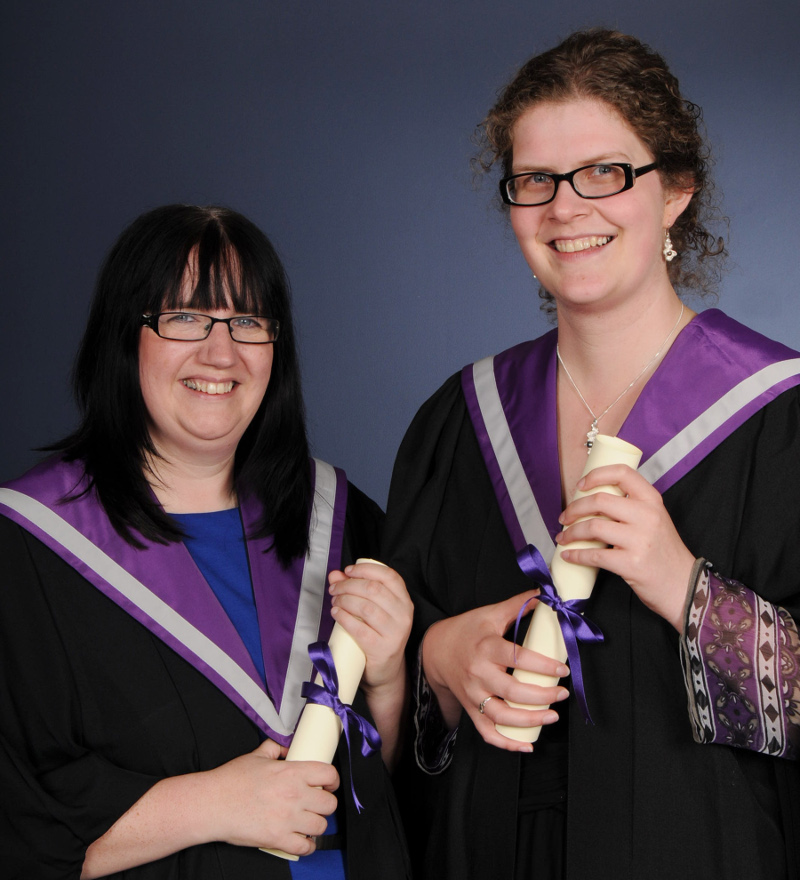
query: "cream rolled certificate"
571, 581
319, 728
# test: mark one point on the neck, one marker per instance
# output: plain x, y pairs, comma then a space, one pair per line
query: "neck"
610, 357
606, 350
192, 487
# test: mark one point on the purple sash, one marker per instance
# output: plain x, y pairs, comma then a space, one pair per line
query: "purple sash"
714, 377
162, 588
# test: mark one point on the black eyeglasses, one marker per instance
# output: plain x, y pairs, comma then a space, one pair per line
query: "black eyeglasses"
590, 182
190, 327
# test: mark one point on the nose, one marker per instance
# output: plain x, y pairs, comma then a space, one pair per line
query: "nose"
567, 203
218, 348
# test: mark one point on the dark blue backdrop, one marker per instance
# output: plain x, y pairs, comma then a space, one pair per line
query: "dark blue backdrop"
343, 129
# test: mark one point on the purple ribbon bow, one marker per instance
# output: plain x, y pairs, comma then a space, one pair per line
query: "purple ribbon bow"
574, 627
327, 694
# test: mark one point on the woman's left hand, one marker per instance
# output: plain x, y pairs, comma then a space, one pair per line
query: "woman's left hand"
644, 547
371, 602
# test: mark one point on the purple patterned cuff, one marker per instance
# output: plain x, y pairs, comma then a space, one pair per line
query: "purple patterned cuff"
433, 742
741, 659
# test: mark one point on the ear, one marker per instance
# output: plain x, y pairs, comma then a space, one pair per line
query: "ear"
675, 204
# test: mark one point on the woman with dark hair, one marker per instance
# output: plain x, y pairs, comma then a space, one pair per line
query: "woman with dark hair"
605, 179
164, 576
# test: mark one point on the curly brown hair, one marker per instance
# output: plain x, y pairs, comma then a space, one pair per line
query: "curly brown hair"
629, 76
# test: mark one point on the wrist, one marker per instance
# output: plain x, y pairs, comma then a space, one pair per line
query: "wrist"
685, 580
429, 653
204, 791
386, 686
449, 704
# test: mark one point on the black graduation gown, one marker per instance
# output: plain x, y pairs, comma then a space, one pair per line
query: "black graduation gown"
644, 800
95, 709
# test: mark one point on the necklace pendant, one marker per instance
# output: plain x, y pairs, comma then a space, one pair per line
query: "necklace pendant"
591, 436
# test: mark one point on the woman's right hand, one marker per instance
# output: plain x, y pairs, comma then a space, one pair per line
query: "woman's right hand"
259, 800
255, 800
465, 660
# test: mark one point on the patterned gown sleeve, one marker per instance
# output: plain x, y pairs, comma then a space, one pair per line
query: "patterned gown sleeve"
741, 659
433, 742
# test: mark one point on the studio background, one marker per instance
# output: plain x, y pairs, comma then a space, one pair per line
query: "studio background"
343, 129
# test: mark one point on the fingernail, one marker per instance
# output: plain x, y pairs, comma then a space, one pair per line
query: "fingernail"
562, 695
334, 611
348, 569
550, 718
581, 482
562, 671
528, 748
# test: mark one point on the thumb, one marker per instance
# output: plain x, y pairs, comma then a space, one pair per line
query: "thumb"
270, 749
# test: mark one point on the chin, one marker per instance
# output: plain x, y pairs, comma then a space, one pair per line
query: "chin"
580, 297
209, 440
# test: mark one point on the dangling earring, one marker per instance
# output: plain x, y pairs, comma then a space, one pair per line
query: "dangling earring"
669, 252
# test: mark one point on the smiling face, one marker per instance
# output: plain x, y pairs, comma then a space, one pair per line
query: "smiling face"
591, 251
201, 396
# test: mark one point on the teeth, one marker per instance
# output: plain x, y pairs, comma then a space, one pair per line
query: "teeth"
208, 387
573, 245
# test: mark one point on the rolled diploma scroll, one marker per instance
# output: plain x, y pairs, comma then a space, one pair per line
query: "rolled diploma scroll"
319, 728
571, 581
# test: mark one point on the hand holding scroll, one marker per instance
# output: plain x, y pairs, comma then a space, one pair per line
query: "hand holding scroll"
373, 618
371, 603
466, 658
557, 626
644, 547
259, 800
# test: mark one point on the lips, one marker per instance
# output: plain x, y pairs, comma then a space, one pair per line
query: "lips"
209, 387
574, 245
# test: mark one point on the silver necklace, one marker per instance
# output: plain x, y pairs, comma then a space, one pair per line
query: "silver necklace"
592, 433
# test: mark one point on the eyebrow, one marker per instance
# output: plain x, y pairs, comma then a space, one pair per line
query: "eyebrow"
599, 160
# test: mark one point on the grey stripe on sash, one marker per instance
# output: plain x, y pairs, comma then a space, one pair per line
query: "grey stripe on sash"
698, 431
308, 615
137, 593
519, 489
309, 611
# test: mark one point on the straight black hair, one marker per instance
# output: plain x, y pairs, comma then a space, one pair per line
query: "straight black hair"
229, 260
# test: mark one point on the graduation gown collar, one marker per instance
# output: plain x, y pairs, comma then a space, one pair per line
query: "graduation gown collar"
714, 377
162, 588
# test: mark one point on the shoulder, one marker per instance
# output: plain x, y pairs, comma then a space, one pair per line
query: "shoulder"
52, 481
363, 525
332, 485
361, 508
772, 434
442, 402
444, 421
25, 556
738, 505
440, 450
729, 338
440, 415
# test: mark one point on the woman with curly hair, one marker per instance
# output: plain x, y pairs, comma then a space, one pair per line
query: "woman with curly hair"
605, 180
